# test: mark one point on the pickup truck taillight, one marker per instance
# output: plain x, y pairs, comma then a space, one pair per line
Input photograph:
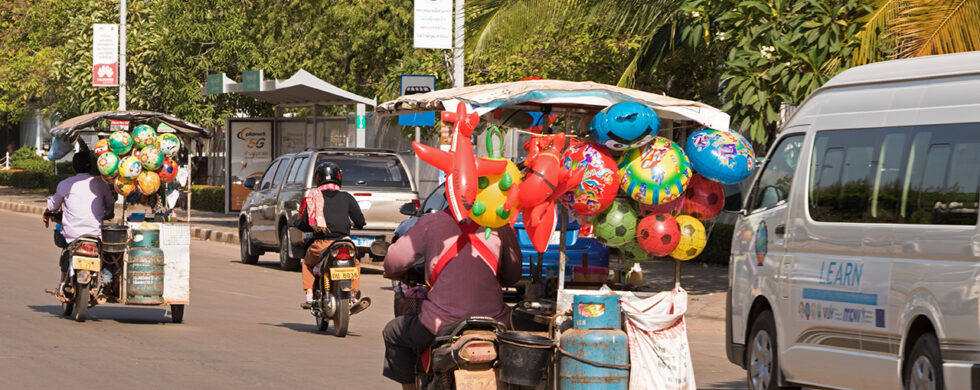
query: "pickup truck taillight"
362, 194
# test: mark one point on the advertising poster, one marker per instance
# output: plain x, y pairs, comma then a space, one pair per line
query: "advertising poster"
251, 148
105, 55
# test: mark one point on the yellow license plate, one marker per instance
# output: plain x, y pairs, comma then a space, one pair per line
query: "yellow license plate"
478, 380
344, 273
85, 263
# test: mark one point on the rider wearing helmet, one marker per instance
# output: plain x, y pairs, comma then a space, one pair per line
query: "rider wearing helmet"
328, 212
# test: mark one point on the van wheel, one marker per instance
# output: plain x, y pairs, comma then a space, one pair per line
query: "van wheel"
285, 261
249, 254
762, 357
924, 367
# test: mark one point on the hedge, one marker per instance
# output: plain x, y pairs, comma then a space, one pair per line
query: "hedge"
208, 198
53, 180
25, 179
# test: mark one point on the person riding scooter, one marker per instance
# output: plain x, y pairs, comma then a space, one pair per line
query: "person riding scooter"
465, 272
328, 212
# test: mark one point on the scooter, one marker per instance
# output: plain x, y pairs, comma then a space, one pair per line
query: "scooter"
332, 286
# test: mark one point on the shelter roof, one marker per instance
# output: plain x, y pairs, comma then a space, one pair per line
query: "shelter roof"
303, 89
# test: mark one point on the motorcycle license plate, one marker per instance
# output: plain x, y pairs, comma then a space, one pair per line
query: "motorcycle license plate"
483, 379
344, 273
85, 263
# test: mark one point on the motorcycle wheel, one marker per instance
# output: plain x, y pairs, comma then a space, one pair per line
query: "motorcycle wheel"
341, 317
81, 301
322, 323
67, 308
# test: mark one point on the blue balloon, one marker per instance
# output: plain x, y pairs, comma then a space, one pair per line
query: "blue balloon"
624, 126
722, 156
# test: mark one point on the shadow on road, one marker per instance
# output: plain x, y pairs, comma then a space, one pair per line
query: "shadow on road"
724, 386
309, 328
121, 314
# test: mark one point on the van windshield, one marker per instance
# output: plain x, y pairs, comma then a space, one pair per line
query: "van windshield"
369, 170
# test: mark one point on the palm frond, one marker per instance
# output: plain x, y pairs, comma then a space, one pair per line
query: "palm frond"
874, 29
938, 28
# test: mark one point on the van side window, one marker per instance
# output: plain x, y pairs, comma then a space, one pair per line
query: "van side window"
913, 175
777, 176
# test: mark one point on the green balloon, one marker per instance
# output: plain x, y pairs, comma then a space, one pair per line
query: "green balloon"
616, 226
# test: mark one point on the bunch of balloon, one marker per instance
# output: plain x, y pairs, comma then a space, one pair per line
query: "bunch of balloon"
138, 161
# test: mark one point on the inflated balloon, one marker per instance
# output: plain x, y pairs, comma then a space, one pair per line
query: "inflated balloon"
656, 173
722, 156
623, 126
674, 207
168, 171
599, 182
130, 167
148, 182
461, 166
108, 164
120, 142
124, 186
658, 234
693, 238
488, 209
144, 135
616, 226
101, 146
633, 252
151, 157
168, 143
703, 198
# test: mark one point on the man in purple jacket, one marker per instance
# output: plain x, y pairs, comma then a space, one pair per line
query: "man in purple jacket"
465, 271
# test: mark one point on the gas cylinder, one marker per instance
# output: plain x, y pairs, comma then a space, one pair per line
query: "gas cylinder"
144, 269
595, 352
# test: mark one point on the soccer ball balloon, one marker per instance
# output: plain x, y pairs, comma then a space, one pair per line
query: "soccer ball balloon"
101, 146
151, 158
130, 167
656, 173
124, 186
722, 156
673, 207
108, 164
658, 234
616, 226
168, 171
144, 136
120, 142
625, 125
703, 198
632, 251
168, 143
693, 238
148, 182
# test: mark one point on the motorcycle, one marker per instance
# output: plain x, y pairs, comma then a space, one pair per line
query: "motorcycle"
332, 286
83, 267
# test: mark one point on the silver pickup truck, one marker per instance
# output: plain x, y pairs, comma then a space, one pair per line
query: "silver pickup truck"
377, 178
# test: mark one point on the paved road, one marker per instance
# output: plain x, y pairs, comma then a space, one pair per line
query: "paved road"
243, 329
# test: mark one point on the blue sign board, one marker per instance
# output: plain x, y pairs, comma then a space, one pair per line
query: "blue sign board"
411, 84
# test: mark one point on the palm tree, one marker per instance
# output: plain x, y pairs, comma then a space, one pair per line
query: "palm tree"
913, 28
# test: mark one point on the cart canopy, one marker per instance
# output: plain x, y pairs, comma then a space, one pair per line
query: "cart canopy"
557, 93
80, 124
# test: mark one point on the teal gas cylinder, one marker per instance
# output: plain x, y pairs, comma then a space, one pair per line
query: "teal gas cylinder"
595, 353
144, 269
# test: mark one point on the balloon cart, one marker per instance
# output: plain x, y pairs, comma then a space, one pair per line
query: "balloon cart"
642, 170
145, 158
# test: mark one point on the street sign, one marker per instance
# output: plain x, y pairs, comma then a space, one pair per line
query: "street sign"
218, 84
412, 84
252, 80
105, 55
433, 24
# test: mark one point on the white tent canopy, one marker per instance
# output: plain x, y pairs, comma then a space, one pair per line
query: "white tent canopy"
302, 90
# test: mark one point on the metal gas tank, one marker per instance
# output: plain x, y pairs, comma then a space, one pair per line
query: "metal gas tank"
144, 269
594, 359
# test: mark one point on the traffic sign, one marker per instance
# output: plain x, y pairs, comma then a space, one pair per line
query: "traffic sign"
412, 84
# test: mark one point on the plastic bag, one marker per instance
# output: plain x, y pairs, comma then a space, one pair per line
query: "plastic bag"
659, 352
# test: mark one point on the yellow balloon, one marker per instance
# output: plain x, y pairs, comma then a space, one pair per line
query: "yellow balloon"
488, 209
693, 238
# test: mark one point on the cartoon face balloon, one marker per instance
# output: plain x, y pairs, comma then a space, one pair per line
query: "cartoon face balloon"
168, 171
101, 146
624, 126
124, 186
168, 143
144, 135
599, 183
148, 182
722, 156
108, 164
656, 173
130, 167
151, 158
120, 142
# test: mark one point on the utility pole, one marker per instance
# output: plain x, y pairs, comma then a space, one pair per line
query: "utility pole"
458, 45
122, 55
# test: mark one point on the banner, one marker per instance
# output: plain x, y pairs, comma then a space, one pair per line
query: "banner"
434, 24
105, 55
251, 148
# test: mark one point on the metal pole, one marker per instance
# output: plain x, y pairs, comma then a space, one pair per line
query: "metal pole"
677, 274
122, 55
418, 138
458, 46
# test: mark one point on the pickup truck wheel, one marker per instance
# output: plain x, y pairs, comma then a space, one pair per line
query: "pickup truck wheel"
249, 253
285, 261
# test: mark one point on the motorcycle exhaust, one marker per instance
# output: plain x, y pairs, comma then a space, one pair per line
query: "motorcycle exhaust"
101, 299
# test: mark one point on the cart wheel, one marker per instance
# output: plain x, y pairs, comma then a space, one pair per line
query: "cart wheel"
81, 300
341, 317
249, 254
177, 313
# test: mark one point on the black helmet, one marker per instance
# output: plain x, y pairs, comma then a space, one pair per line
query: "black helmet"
328, 172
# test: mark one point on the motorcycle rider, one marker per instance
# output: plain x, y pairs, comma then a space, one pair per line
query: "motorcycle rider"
465, 271
84, 199
328, 212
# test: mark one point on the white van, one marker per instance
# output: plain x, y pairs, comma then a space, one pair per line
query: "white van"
856, 258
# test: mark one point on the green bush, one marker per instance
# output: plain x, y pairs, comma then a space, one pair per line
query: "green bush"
719, 247
25, 179
208, 198
43, 166
25, 153
64, 167
5, 177
53, 180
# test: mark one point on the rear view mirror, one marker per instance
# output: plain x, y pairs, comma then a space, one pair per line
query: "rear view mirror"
249, 183
408, 209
